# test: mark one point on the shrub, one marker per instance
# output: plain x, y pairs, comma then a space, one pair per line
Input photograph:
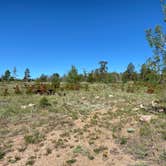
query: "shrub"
5, 92
29, 89
73, 86
150, 90
73, 76
44, 102
123, 140
55, 81
130, 89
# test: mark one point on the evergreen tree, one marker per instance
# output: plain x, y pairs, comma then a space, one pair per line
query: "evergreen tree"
73, 76
27, 75
55, 80
7, 75
129, 74
43, 78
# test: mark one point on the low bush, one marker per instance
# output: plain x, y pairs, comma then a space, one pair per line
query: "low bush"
44, 102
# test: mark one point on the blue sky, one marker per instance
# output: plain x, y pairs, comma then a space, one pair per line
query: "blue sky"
49, 36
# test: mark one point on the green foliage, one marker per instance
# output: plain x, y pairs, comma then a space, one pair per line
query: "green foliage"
6, 76
73, 77
145, 131
44, 102
114, 77
100, 149
123, 140
157, 40
129, 74
130, 87
33, 138
163, 155
43, 78
2, 153
31, 160
72, 161
27, 75
55, 80
103, 71
162, 96
83, 151
148, 73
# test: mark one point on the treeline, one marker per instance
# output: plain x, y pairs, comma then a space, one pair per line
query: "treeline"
148, 73
152, 71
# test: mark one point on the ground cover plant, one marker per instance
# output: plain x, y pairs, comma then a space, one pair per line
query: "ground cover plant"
98, 127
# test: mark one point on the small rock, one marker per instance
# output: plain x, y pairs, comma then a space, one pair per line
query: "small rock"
31, 105
83, 98
136, 109
23, 107
130, 130
114, 151
146, 118
111, 96
142, 106
97, 97
161, 110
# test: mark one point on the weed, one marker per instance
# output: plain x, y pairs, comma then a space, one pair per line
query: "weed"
78, 149
163, 155
141, 164
123, 140
33, 138
2, 153
163, 133
31, 161
139, 151
83, 151
44, 102
59, 143
72, 161
6, 92
48, 151
100, 149
145, 131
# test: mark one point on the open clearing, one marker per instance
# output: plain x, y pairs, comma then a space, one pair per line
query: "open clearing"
98, 127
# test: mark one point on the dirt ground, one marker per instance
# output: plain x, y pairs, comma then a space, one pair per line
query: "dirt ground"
84, 130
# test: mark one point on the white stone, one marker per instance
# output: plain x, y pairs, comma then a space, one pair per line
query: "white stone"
31, 105
23, 107
142, 106
111, 96
146, 118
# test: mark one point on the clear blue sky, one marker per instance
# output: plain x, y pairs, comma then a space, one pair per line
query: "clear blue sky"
49, 36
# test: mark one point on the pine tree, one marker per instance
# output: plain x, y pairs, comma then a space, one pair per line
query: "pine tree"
27, 75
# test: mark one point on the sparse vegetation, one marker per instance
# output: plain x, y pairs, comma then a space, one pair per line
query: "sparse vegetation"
44, 102
33, 138
96, 118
